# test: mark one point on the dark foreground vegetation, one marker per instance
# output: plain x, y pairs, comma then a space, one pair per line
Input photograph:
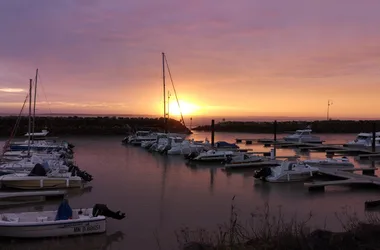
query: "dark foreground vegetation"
327, 126
266, 232
75, 125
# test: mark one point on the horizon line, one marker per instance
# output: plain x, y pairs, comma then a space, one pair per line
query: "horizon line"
273, 117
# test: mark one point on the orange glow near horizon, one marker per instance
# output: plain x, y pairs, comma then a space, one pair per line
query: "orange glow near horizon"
186, 108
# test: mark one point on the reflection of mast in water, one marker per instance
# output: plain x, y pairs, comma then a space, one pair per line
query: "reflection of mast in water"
163, 184
212, 173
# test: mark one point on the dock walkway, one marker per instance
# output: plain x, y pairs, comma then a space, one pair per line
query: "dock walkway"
330, 149
348, 178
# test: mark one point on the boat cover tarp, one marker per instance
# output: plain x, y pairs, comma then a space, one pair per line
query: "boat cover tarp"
38, 170
64, 211
223, 144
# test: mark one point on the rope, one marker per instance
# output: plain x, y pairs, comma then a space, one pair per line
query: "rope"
175, 92
14, 130
43, 90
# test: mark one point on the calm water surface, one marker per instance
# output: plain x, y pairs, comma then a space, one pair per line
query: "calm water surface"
161, 194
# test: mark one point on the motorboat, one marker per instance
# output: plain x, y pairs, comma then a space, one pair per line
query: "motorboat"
330, 162
287, 171
61, 222
25, 181
225, 146
141, 136
243, 160
40, 178
364, 140
211, 155
187, 147
169, 143
304, 136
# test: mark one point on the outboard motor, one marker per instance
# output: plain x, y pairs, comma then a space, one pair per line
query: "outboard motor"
228, 159
191, 156
75, 171
263, 173
102, 209
166, 149
125, 140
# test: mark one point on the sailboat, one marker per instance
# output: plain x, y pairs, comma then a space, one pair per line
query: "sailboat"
42, 177
36, 140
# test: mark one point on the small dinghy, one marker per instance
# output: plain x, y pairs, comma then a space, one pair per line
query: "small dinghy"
62, 222
38, 178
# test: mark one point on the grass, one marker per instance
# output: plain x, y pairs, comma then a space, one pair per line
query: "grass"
265, 231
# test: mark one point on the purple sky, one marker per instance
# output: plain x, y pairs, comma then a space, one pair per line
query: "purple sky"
236, 57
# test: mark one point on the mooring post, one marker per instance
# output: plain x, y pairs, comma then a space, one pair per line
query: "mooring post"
212, 132
374, 137
275, 138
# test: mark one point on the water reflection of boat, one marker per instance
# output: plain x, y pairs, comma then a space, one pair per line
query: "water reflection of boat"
36, 200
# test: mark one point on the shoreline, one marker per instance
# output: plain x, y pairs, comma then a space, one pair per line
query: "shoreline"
82, 126
286, 127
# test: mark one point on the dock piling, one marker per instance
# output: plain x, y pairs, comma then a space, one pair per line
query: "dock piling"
374, 137
274, 137
212, 132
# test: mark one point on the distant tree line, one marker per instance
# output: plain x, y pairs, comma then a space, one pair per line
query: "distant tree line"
326, 126
74, 125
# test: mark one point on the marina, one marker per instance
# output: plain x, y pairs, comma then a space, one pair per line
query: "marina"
160, 173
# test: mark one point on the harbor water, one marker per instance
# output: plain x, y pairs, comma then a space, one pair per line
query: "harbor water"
162, 194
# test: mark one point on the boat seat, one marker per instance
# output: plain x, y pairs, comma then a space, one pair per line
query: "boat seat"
42, 218
11, 219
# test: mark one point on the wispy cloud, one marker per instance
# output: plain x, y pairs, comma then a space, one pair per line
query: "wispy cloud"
11, 90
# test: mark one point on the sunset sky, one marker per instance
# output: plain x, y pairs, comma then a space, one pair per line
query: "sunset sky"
237, 58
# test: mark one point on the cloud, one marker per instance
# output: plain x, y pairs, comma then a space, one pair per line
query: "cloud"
91, 53
11, 90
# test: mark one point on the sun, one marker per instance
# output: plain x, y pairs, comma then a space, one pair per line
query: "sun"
187, 108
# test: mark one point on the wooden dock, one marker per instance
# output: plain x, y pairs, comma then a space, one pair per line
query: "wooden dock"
347, 177
253, 165
369, 156
330, 149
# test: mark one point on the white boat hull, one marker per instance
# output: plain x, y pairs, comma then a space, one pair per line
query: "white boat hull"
40, 182
290, 177
46, 226
302, 140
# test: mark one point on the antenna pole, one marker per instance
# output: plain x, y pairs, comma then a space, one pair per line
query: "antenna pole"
34, 108
329, 103
163, 83
168, 104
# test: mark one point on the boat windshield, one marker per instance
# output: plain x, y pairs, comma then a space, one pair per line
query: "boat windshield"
143, 133
361, 137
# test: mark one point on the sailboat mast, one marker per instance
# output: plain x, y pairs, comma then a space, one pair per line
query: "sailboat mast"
34, 108
163, 82
30, 114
